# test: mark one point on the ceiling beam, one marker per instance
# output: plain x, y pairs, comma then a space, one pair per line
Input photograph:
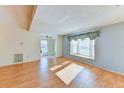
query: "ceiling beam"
33, 13
23, 14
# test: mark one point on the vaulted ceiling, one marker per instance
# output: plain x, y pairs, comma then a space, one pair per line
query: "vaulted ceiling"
59, 20
17, 15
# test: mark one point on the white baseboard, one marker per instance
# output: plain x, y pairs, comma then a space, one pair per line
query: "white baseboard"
102, 68
99, 67
28, 61
105, 69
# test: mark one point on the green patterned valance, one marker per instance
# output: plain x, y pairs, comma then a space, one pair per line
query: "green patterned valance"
90, 35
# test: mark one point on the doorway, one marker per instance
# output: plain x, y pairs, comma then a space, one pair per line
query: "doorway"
44, 47
48, 47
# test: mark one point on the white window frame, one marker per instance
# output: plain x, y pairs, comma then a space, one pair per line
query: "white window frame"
91, 56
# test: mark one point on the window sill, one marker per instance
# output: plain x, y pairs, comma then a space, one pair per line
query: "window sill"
86, 57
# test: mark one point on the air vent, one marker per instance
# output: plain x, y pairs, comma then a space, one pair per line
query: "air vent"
18, 58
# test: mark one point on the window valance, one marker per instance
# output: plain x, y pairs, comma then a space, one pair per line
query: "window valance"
90, 35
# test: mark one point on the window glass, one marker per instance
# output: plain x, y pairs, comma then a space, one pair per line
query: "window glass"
82, 48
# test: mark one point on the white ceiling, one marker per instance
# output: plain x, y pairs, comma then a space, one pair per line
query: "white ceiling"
59, 20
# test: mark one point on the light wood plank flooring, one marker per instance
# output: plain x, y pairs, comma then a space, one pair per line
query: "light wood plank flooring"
37, 74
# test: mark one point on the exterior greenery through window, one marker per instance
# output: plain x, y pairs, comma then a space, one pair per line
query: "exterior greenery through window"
82, 48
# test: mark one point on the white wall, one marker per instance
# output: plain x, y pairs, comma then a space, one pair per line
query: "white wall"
10, 39
109, 49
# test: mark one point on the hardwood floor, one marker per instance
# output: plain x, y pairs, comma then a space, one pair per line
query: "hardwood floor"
37, 74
